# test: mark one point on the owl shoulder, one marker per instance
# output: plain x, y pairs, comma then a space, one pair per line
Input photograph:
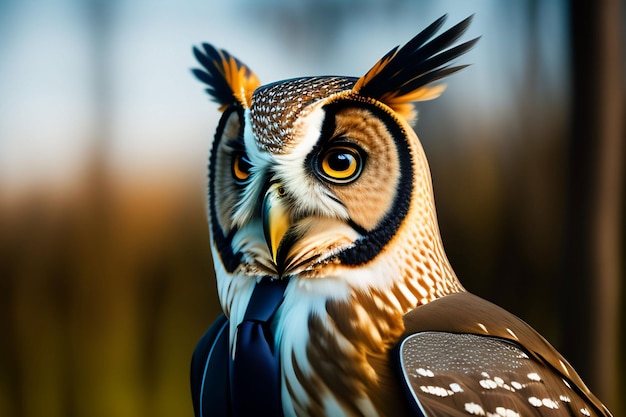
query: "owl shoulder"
463, 355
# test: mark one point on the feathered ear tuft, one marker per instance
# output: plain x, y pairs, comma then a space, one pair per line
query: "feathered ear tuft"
401, 77
229, 80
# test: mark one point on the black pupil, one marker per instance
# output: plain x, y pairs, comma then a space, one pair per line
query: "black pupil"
244, 165
339, 161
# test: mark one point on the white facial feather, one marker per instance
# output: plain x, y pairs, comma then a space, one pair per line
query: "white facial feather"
310, 196
260, 163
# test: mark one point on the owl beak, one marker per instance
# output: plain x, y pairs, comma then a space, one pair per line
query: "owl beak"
276, 218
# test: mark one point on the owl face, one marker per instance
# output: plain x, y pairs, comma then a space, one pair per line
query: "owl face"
308, 176
322, 179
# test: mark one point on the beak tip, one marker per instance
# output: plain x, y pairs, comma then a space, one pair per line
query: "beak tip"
276, 220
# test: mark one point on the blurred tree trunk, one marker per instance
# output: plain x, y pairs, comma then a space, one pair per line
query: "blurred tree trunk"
593, 269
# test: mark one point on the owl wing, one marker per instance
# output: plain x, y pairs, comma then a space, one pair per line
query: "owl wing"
462, 355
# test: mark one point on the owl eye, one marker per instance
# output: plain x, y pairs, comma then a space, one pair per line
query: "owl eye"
240, 168
340, 164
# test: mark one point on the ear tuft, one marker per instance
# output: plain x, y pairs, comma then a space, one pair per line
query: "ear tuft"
401, 77
229, 80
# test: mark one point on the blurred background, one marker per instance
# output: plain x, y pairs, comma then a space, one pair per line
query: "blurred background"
106, 280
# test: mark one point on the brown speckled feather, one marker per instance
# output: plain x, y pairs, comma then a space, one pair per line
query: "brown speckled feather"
277, 106
450, 373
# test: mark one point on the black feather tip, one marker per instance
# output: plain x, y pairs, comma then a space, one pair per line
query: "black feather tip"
422, 60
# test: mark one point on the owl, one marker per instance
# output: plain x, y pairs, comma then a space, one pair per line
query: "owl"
337, 295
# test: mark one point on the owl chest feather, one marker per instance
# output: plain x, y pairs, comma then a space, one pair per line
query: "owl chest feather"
334, 341
334, 333
334, 356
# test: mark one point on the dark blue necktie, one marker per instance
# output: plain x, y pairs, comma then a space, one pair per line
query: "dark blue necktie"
254, 372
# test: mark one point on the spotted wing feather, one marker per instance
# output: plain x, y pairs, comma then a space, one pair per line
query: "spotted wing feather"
451, 374
462, 356
229, 80
402, 75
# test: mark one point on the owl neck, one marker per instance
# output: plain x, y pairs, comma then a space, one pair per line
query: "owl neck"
335, 334
418, 249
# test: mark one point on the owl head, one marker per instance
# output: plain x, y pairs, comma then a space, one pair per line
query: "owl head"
322, 179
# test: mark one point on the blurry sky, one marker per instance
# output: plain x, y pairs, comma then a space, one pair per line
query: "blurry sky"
76, 72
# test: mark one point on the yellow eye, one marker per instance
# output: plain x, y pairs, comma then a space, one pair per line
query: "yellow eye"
340, 164
241, 168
